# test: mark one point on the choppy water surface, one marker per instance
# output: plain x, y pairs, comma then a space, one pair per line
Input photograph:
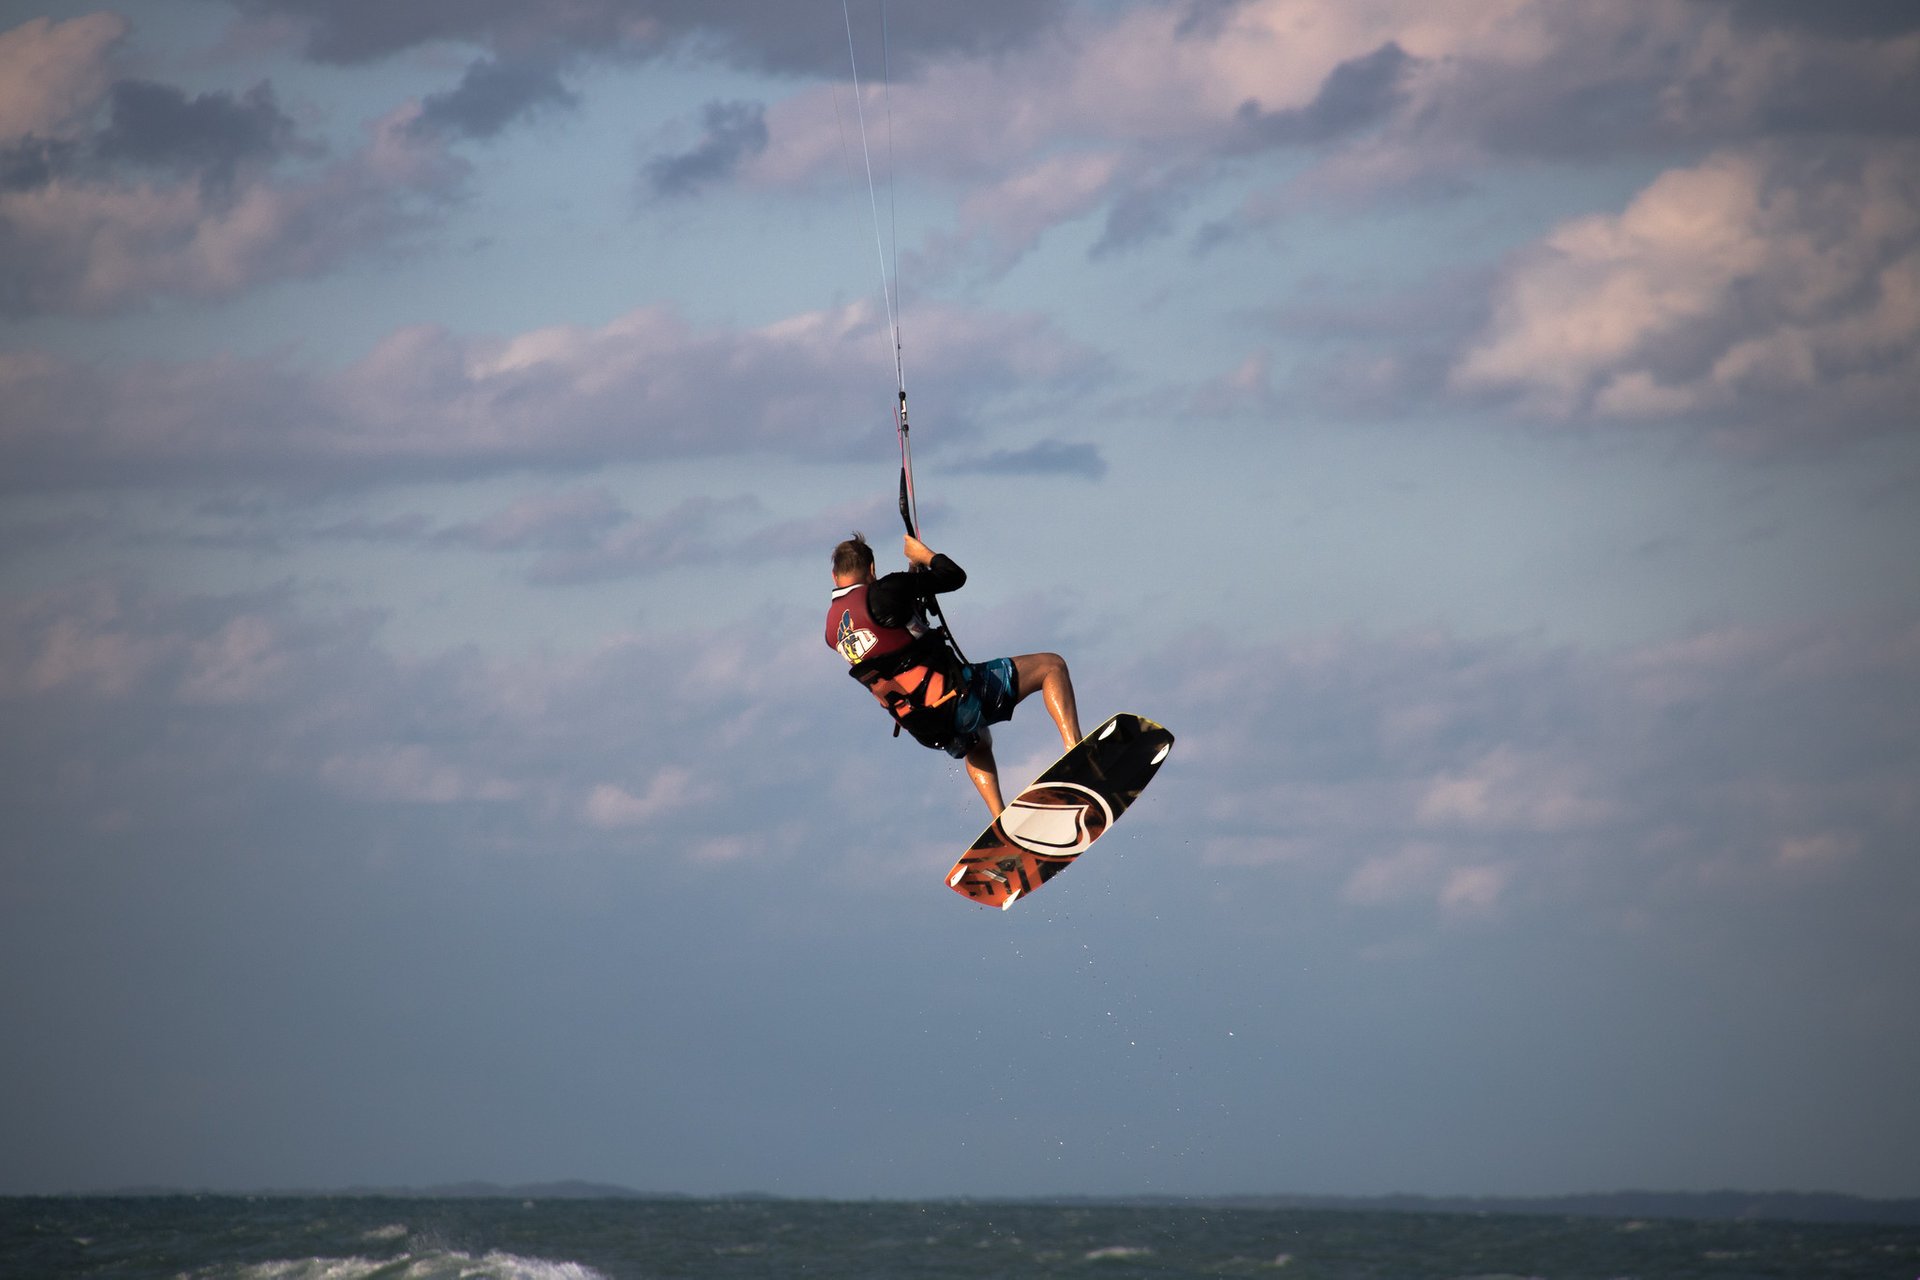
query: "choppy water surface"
228, 1238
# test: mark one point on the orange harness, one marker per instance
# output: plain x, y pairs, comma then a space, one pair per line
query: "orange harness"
919, 685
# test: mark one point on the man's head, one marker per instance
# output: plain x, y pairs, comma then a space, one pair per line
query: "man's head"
852, 561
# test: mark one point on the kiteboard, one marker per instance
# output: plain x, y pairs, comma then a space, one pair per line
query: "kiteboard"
1062, 812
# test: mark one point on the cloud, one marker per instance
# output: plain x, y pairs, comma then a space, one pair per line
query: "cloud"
1422, 872
494, 93
427, 402
1084, 105
579, 535
1415, 776
35, 162
1742, 81
178, 195
1471, 780
1850, 19
210, 134
1770, 292
54, 74
562, 521
695, 531
408, 773
1003, 221
1356, 94
734, 132
1506, 790
611, 806
779, 38
1045, 458
170, 711
1246, 389
1135, 114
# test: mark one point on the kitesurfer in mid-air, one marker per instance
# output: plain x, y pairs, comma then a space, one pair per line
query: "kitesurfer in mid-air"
878, 625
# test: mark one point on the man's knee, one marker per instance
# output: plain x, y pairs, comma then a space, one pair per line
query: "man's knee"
1039, 668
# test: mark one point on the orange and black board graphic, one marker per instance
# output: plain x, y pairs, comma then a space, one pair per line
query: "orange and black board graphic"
1062, 813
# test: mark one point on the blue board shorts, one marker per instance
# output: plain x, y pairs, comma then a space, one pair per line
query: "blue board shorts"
989, 692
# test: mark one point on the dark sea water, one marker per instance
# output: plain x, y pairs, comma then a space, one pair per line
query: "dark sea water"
236, 1238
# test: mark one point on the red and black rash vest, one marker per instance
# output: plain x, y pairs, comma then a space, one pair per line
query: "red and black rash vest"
911, 669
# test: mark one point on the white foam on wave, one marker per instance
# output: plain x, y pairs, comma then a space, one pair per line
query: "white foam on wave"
308, 1269
517, 1268
1117, 1251
447, 1265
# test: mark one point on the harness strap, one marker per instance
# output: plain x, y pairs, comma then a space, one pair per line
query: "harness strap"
918, 685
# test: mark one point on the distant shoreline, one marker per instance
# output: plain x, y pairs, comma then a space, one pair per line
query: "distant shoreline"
1713, 1206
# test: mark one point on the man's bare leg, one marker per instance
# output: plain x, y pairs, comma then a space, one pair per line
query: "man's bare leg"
1047, 672
985, 774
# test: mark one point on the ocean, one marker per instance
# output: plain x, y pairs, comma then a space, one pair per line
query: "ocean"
348, 1238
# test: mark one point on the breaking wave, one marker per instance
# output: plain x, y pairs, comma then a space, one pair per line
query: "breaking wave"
430, 1265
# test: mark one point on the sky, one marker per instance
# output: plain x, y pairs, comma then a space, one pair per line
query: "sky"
1483, 431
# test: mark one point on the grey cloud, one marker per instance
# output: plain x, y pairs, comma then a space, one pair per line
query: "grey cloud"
210, 133
1751, 301
34, 162
734, 132
110, 236
250, 796
354, 31
1205, 17
578, 535
1358, 93
1605, 82
1400, 779
797, 39
241, 675
492, 94
1425, 756
699, 530
1608, 87
1800, 338
410, 528
426, 402
1843, 19
1751, 752
159, 126
1046, 458
117, 192
1149, 209
1813, 86
566, 521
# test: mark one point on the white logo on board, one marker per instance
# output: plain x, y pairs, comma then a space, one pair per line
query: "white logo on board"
1058, 819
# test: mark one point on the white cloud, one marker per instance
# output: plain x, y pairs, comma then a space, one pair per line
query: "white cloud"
1656, 780
77, 641
1447, 879
1766, 289
1818, 850
612, 806
1473, 890
427, 401
1466, 777
1507, 789
1396, 875
236, 664
1088, 115
409, 773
